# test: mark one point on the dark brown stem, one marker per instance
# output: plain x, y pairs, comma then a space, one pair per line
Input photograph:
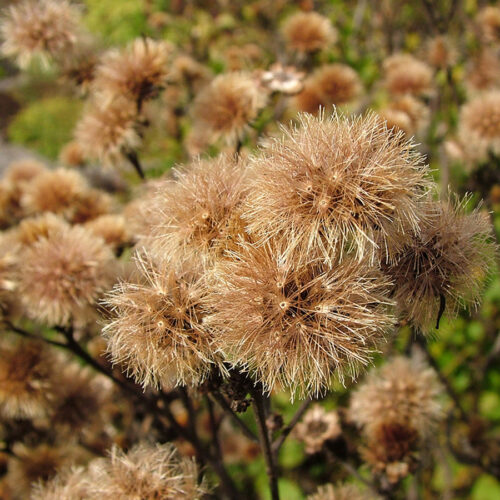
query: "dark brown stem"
259, 407
221, 400
32, 336
134, 160
288, 429
446, 383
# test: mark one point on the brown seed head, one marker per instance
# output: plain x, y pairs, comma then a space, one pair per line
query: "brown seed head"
26, 379
32, 229
157, 331
146, 471
226, 106
64, 275
316, 427
488, 21
111, 228
39, 28
337, 183
23, 171
406, 113
196, 207
136, 72
107, 132
69, 484
449, 257
404, 391
340, 492
404, 74
308, 32
479, 126
483, 71
296, 322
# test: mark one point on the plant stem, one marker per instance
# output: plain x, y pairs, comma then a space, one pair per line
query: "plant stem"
134, 160
259, 407
286, 430
229, 411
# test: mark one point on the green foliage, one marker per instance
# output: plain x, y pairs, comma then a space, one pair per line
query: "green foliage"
45, 125
117, 21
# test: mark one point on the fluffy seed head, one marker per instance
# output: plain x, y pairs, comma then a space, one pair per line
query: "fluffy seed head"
54, 191
316, 427
330, 84
226, 106
111, 228
488, 20
69, 484
440, 52
447, 259
26, 379
293, 323
340, 492
308, 32
32, 229
483, 71
196, 207
146, 471
404, 391
404, 74
64, 275
157, 331
107, 132
334, 183
479, 126
136, 72
406, 113
23, 171
285, 79
39, 28
72, 155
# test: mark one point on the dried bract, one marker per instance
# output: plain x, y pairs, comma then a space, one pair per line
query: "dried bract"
316, 427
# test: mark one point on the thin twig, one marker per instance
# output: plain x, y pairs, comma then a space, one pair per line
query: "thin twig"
278, 442
265, 442
134, 160
227, 408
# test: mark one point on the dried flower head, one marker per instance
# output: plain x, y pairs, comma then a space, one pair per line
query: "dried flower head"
72, 155
285, 79
404, 74
339, 492
440, 53
8, 271
226, 106
146, 471
89, 205
406, 113
488, 20
26, 379
136, 72
444, 264
112, 228
196, 207
185, 69
53, 191
479, 126
69, 484
78, 402
32, 464
297, 324
483, 71
64, 275
23, 171
334, 183
404, 391
308, 32
157, 331
108, 132
316, 427
79, 66
32, 229
41, 28
330, 84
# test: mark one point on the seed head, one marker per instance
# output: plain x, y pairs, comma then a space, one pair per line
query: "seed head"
136, 72
404, 74
308, 32
157, 331
196, 207
339, 492
335, 183
442, 267
296, 323
226, 106
406, 113
317, 427
146, 471
39, 28
63, 276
